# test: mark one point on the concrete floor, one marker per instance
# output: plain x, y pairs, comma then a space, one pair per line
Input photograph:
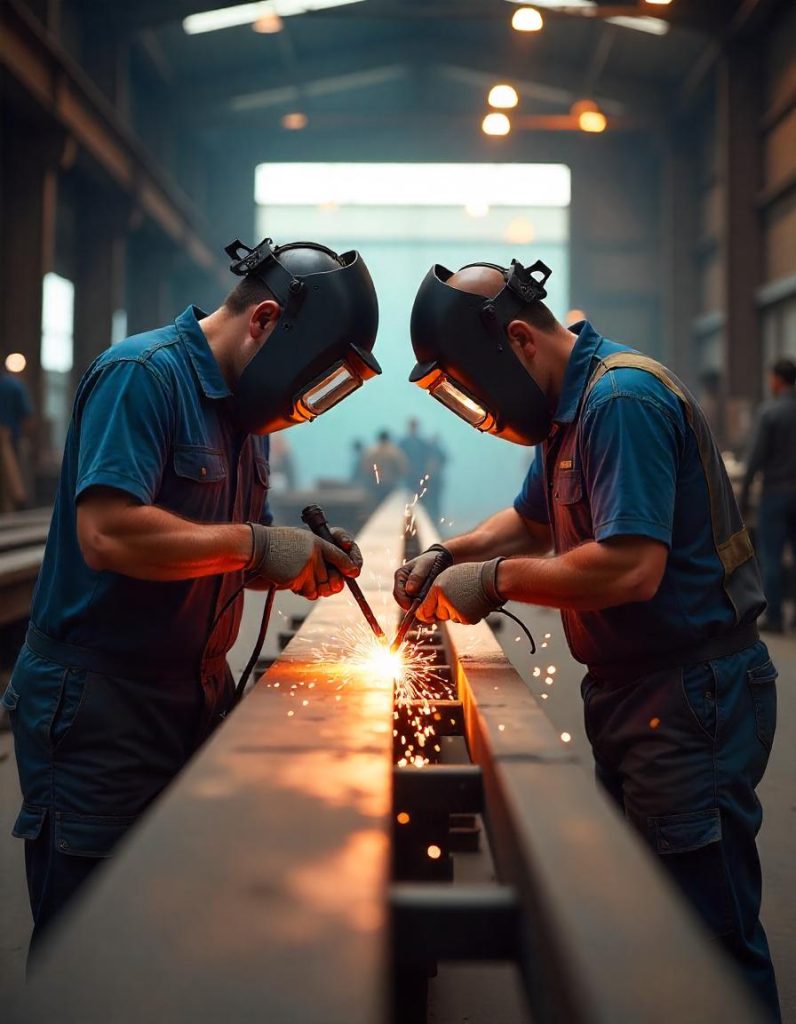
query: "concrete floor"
778, 793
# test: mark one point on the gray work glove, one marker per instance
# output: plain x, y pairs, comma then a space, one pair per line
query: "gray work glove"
411, 577
464, 593
295, 559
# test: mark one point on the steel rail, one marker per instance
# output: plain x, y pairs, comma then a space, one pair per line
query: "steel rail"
293, 874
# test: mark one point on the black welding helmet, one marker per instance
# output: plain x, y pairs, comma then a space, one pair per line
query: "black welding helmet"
321, 348
464, 359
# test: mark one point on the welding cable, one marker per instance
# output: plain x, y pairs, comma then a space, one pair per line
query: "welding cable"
521, 624
269, 604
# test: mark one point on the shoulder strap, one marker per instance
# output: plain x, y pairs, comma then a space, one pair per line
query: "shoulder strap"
636, 361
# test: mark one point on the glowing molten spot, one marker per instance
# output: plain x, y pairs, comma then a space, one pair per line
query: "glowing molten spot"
382, 662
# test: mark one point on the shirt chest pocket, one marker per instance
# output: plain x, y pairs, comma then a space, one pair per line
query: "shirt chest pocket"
198, 484
200, 465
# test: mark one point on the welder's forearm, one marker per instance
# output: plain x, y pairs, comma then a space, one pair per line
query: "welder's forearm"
506, 533
149, 543
589, 578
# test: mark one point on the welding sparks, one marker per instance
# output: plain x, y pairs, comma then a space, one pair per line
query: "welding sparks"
355, 654
376, 473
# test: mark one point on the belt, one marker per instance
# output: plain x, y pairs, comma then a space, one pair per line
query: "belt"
76, 656
621, 672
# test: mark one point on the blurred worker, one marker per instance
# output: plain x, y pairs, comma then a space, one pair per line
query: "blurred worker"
773, 454
384, 466
417, 451
160, 520
16, 421
653, 570
281, 469
16, 409
357, 473
436, 477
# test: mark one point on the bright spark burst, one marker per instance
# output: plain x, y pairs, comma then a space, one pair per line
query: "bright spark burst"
355, 654
376, 473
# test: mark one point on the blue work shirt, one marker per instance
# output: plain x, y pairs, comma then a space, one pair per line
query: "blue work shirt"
624, 462
149, 419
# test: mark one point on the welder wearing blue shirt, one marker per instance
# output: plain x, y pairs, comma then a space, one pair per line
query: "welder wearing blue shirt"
653, 571
160, 520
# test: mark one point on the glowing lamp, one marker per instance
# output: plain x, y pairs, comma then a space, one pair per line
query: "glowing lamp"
15, 362
294, 121
268, 24
527, 19
496, 124
502, 96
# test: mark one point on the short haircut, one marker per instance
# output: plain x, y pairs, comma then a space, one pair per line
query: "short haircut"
785, 369
538, 315
384, 435
249, 291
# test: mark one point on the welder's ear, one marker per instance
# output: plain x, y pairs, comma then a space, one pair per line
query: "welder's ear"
263, 319
522, 338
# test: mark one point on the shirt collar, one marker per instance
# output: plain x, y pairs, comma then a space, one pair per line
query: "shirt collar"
576, 375
204, 362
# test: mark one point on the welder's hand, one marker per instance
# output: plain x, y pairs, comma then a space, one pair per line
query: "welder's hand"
463, 593
297, 560
411, 577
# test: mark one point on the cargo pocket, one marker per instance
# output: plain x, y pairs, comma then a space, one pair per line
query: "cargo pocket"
86, 835
10, 698
764, 697
690, 849
30, 822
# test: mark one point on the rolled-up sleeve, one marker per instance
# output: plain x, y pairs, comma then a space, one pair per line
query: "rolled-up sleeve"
630, 466
125, 429
531, 502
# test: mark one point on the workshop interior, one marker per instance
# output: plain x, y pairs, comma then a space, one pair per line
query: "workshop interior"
397, 511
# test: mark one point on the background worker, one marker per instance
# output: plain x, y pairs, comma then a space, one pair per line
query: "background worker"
384, 467
658, 586
772, 453
158, 523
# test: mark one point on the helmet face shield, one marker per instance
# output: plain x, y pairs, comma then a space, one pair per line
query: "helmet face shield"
320, 350
465, 360
326, 392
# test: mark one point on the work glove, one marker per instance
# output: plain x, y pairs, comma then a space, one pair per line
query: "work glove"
294, 559
414, 574
463, 593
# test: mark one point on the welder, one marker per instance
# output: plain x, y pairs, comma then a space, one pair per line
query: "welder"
161, 518
653, 571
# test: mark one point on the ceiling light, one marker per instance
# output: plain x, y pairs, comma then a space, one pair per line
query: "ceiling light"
561, 5
15, 362
590, 117
477, 209
527, 19
655, 26
496, 124
248, 14
503, 96
660, 3
294, 121
268, 24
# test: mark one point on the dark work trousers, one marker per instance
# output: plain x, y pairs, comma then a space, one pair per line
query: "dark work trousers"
93, 751
681, 751
776, 528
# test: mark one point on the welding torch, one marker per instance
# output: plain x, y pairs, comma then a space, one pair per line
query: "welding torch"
440, 563
315, 518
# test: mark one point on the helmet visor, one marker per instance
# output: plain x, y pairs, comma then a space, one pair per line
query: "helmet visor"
454, 397
327, 391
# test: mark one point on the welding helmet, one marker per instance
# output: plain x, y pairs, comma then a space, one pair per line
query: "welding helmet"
320, 349
464, 359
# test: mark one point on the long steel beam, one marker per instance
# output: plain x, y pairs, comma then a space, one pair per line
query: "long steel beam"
257, 887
